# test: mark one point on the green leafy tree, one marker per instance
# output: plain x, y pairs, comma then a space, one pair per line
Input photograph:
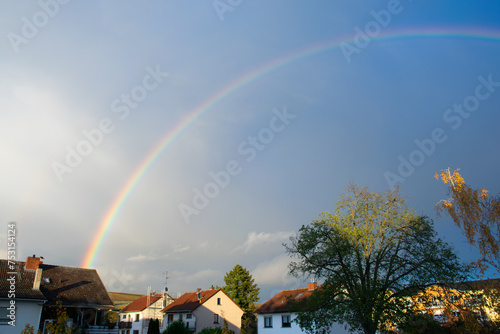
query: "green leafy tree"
210, 330
177, 327
373, 253
241, 287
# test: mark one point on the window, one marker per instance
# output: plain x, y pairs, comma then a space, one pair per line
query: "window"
268, 322
137, 317
124, 317
216, 318
189, 316
180, 316
455, 313
136, 331
218, 301
4, 315
285, 320
453, 298
170, 317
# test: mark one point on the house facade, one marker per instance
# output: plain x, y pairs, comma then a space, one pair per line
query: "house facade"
275, 317
204, 309
21, 300
136, 317
449, 304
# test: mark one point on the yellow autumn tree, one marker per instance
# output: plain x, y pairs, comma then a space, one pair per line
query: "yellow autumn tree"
476, 213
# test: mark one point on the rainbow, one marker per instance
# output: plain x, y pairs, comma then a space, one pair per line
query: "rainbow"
242, 81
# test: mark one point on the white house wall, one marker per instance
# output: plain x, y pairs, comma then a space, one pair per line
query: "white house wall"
293, 329
27, 312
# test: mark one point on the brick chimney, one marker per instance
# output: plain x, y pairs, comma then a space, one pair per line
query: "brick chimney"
32, 263
312, 286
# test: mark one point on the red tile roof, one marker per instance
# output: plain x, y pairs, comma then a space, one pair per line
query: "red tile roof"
189, 301
280, 302
141, 303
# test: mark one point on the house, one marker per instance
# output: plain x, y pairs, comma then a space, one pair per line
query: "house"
80, 291
204, 309
21, 300
136, 316
449, 304
275, 317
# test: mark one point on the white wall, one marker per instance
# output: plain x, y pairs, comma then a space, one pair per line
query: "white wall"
294, 329
27, 312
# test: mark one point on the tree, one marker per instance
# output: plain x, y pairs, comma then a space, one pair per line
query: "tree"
373, 253
177, 327
476, 213
154, 326
241, 287
60, 326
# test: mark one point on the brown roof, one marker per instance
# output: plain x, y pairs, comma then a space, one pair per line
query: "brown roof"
73, 286
23, 281
477, 285
141, 303
281, 301
189, 301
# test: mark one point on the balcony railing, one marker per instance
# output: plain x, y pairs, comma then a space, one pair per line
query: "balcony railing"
124, 325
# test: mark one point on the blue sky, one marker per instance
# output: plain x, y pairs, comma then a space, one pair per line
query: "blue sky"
352, 117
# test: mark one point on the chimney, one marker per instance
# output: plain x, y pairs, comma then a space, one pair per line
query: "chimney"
312, 286
32, 263
38, 279
198, 293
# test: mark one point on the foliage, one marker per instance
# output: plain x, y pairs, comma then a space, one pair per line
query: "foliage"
28, 329
241, 287
248, 323
110, 318
476, 213
420, 323
177, 327
210, 330
59, 327
373, 253
154, 326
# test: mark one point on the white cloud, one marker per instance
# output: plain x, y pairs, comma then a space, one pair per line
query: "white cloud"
143, 258
274, 272
180, 248
254, 239
204, 277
